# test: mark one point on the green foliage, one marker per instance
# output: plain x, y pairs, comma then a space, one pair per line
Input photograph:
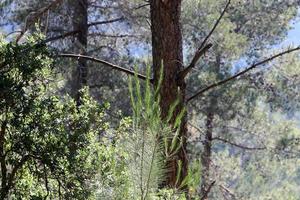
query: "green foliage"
53, 148
48, 144
281, 84
148, 143
60, 149
246, 30
112, 179
133, 157
258, 174
168, 194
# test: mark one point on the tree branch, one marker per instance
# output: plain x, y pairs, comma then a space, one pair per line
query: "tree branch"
13, 32
113, 36
199, 53
204, 196
113, 66
203, 47
103, 7
46, 183
62, 36
253, 66
35, 16
142, 6
238, 145
227, 191
18, 166
71, 33
106, 22
74, 32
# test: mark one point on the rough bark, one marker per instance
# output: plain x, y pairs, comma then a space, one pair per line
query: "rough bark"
4, 188
167, 52
80, 23
206, 155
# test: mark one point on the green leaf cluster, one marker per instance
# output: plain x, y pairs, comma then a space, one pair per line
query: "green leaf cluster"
49, 146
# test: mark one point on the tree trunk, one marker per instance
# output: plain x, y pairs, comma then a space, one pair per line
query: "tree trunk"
80, 22
167, 52
4, 186
206, 155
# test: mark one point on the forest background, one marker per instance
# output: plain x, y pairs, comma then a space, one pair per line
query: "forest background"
159, 99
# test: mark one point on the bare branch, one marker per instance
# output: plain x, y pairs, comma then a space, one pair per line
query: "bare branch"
30, 20
253, 66
106, 22
113, 66
13, 32
196, 127
203, 47
238, 145
228, 191
113, 36
204, 196
71, 33
215, 25
62, 36
103, 7
199, 53
142, 6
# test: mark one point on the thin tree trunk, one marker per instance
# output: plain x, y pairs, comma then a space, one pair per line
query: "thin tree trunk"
206, 155
167, 52
207, 150
80, 23
4, 186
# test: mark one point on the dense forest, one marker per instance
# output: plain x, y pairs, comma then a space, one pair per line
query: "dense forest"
149, 99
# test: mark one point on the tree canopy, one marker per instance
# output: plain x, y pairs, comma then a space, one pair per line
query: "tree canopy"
158, 99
